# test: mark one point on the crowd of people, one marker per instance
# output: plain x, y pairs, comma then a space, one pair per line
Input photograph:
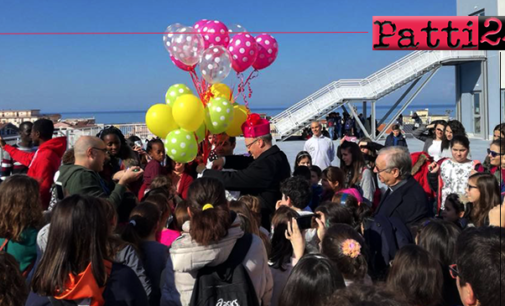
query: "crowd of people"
114, 221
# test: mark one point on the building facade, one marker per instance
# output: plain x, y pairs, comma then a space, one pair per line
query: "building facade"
479, 91
16, 117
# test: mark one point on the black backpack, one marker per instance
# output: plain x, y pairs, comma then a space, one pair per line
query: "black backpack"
384, 236
227, 284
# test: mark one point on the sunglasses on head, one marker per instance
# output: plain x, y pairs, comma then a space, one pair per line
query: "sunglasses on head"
493, 153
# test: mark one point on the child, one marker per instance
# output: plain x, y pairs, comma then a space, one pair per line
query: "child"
296, 194
156, 150
317, 189
454, 209
165, 235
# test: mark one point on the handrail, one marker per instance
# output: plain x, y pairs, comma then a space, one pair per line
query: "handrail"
373, 87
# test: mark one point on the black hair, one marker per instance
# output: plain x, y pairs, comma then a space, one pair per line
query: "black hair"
366, 295
301, 155
457, 129
439, 239
143, 220
479, 253
45, 127
395, 127
151, 142
317, 170
298, 190
462, 140
336, 214
112, 130
27, 123
456, 203
312, 282
282, 249
130, 141
302, 171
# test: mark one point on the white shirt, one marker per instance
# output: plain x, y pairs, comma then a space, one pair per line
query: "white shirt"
321, 150
435, 150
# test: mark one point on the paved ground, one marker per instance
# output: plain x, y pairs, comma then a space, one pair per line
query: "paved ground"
291, 148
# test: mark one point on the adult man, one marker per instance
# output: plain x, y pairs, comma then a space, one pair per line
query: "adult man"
404, 199
82, 177
260, 177
10, 166
479, 273
43, 164
320, 148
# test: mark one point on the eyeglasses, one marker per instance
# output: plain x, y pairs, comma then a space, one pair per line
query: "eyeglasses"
453, 270
493, 153
469, 187
249, 145
379, 171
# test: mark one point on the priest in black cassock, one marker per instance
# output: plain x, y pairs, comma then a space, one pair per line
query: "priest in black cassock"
259, 176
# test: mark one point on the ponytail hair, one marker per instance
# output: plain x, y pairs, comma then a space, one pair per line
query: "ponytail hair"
144, 219
210, 216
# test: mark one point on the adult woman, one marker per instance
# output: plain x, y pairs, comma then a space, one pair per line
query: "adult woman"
417, 276
432, 141
282, 258
211, 234
303, 158
181, 179
483, 193
312, 282
439, 239
357, 174
451, 175
496, 156
75, 266
347, 249
13, 289
453, 128
20, 219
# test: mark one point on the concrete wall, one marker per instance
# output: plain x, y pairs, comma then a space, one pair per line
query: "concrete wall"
471, 77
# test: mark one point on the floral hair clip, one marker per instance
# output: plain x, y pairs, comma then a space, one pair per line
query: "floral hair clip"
351, 248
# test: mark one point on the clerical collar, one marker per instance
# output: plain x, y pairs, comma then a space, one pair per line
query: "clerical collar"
400, 184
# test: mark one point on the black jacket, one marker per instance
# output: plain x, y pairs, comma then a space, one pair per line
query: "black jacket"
123, 288
260, 177
390, 140
409, 203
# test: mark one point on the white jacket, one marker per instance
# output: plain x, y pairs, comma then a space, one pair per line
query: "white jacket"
188, 257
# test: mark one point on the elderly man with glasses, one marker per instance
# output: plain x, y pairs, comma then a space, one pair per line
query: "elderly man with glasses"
404, 198
259, 177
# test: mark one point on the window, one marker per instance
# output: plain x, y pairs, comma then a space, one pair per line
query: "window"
476, 112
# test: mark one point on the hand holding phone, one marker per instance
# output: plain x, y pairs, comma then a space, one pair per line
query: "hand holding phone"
305, 221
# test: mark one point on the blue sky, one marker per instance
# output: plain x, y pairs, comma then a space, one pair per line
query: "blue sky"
132, 72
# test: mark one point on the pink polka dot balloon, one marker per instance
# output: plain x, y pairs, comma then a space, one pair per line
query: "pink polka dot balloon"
180, 64
215, 33
198, 26
243, 51
267, 51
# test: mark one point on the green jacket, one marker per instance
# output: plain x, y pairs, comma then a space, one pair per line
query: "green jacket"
81, 180
25, 250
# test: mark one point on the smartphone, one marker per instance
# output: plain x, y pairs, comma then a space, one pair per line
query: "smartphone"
138, 143
305, 221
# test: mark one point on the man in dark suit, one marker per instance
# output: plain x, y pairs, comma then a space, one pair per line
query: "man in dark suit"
260, 176
404, 198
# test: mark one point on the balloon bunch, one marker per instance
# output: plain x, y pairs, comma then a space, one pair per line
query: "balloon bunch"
187, 119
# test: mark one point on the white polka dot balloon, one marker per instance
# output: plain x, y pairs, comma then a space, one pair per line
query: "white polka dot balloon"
181, 146
218, 115
187, 46
236, 28
243, 50
215, 33
267, 51
215, 64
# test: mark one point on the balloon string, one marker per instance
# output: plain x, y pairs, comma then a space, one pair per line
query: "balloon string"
254, 74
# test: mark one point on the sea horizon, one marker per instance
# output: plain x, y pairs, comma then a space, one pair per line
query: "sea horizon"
137, 116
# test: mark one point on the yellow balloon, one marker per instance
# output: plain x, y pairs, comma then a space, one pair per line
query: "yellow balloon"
159, 120
221, 90
239, 117
188, 112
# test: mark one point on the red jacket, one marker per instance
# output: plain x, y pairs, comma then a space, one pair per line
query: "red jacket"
42, 164
420, 163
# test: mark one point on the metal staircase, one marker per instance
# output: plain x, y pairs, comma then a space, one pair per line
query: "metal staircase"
374, 87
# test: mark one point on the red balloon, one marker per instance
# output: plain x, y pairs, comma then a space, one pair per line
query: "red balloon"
181, 65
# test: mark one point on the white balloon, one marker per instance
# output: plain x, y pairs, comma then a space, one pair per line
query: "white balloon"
215, 64
187, 46
167, 38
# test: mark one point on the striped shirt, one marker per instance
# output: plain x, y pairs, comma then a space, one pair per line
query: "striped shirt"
9, 166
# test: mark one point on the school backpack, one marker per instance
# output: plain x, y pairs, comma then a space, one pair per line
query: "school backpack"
227, 284
348, 124
384, 236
